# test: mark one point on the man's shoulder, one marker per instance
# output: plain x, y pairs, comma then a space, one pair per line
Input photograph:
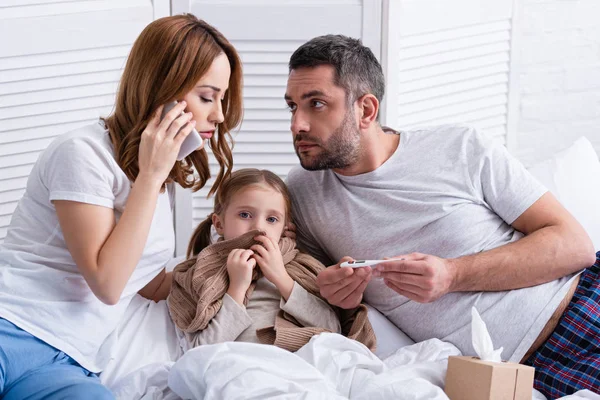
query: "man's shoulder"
447, 138
444, 131
299, 177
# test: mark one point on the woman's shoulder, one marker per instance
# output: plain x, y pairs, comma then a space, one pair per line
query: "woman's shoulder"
89, 143
84, 154
79, 165
93, 135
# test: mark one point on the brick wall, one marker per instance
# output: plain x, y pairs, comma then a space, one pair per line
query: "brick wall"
559, 65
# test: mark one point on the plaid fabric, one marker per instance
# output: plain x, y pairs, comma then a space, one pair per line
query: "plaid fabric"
570, 359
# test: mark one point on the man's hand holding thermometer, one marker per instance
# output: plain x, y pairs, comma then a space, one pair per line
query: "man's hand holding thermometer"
344, 283
420, 277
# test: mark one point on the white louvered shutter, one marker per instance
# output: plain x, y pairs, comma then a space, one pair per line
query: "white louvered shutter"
449, 62
60, 63
266, 33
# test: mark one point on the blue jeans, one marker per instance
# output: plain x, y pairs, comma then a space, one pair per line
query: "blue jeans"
32, 369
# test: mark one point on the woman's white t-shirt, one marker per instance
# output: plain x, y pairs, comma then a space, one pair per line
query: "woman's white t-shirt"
41, 288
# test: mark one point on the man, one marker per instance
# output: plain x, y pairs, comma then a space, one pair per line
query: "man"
466, 223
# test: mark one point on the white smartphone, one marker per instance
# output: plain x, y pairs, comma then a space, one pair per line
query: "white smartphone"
192, 142
364, 263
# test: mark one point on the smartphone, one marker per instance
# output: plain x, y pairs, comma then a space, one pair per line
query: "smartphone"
192, 142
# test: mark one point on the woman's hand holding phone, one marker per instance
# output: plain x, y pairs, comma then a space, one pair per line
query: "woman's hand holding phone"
192, 142
161, 141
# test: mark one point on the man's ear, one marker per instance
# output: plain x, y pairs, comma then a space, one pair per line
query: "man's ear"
218, 224
368, 106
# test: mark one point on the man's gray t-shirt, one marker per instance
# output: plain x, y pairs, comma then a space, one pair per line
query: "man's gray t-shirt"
447, 191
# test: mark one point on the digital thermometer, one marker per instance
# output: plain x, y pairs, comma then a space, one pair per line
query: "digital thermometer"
364, 263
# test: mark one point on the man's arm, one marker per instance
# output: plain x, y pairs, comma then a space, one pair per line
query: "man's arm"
555, 245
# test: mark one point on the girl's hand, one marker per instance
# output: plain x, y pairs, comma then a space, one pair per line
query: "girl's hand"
160, 142
269, 259
240, 266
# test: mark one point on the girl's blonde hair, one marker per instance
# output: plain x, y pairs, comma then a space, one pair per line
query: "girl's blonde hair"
166, 61
238, 180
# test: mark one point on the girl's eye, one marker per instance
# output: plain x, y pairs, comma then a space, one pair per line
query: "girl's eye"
272, 220
204, 99
244, 214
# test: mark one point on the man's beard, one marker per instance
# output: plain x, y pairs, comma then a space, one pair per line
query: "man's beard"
340, 151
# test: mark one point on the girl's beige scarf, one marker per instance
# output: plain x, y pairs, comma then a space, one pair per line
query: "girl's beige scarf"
200, 283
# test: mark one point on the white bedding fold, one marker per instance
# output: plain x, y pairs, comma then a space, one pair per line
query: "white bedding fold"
330, 366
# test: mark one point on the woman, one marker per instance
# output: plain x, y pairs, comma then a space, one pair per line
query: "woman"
94, 226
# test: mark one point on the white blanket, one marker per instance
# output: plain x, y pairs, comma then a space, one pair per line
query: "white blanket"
330, 366
149, 365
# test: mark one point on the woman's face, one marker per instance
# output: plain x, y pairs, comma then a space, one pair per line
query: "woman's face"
204, 100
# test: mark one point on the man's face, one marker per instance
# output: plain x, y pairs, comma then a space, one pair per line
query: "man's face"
324, 126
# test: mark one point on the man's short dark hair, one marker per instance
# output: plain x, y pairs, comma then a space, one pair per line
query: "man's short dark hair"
357, 70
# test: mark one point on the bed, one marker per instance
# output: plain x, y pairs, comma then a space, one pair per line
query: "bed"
149, 364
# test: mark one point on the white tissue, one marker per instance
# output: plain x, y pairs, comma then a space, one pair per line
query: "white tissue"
482, 342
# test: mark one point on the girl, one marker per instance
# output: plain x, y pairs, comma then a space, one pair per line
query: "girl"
94, 226
253, 285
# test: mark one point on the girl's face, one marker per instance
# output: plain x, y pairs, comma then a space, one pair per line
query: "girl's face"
204, 101
254, 207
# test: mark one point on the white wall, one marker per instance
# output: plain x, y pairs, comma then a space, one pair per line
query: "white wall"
60, 62
559, 79
454, 59
265, 46
447, 62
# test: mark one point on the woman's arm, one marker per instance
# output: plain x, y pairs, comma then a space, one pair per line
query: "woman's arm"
158, 289
107, 252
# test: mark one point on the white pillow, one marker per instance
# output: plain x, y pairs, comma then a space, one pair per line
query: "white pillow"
573, 176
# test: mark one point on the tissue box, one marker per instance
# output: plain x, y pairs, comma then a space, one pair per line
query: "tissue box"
469, 378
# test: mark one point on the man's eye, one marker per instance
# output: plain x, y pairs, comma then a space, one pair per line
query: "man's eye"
272, 219
291, 107
244, 214
317, 104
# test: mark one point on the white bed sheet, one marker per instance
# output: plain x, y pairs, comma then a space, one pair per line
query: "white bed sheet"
330, 366
148, 349
147, 336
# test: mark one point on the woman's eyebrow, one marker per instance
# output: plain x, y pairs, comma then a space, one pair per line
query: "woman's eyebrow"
216, 89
